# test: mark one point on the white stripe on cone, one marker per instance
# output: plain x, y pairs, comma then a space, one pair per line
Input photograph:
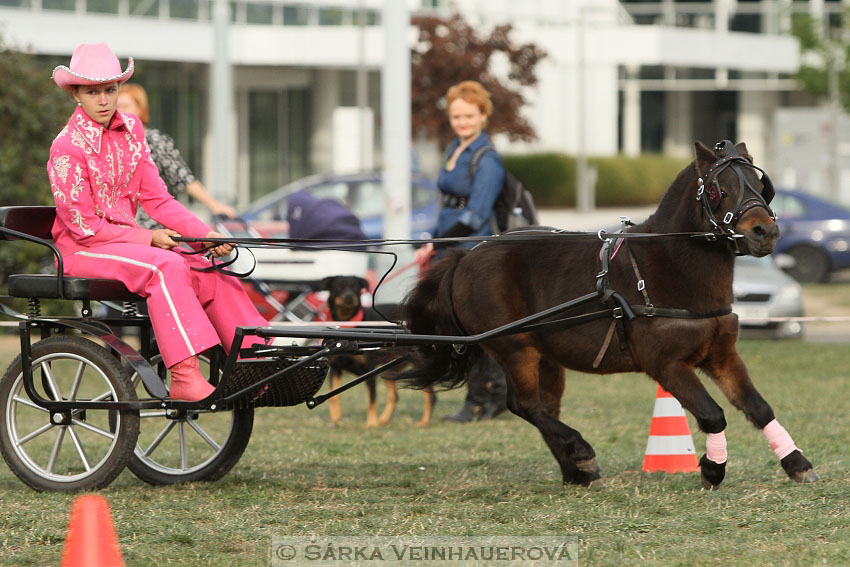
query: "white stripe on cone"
667, 407
670, 445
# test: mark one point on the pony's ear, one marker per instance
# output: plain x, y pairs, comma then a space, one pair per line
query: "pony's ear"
741, 148
704, 157
325, 285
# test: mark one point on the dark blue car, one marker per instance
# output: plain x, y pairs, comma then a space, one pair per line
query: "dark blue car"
815, 232
362, 193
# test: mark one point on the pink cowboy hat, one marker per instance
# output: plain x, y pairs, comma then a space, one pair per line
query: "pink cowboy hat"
92, 64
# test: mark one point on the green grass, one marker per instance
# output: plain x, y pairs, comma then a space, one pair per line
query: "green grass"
300, 477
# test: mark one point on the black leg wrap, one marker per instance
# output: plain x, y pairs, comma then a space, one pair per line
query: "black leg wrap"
712, 473
798, 467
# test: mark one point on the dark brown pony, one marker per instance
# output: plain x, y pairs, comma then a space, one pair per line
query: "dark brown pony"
676, 321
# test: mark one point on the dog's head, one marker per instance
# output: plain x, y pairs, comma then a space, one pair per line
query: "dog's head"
344, 297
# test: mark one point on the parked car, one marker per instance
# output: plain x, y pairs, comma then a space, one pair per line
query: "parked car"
763, 291
814, 232
360, 192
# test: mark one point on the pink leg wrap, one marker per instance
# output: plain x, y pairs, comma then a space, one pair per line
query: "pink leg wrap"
778, 439
715, 447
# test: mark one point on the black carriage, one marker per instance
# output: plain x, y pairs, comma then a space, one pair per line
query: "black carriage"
81, 403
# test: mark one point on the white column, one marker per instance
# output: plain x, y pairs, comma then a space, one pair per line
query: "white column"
754, 125
325, 100
395, 124
678, 124
631, 112
221, 107
722, 11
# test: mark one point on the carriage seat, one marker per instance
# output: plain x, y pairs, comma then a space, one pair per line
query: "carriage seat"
35, 223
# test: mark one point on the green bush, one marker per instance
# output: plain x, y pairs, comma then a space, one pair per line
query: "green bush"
621, 181
32, 112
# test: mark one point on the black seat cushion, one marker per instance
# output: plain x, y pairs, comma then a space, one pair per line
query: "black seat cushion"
44, 286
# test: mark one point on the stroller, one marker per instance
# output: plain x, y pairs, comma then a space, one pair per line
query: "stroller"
286, 283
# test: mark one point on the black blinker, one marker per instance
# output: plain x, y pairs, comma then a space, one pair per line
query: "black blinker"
767, 192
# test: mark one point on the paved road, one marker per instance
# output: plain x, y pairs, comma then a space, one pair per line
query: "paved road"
570, 219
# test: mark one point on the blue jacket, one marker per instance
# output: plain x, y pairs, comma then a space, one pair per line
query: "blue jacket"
481, 192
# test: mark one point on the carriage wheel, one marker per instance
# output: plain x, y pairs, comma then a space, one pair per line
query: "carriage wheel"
90, 452
189, 446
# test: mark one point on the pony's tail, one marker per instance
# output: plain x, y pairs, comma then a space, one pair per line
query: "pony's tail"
428, 310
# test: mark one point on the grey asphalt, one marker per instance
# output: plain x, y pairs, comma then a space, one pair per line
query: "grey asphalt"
607, 218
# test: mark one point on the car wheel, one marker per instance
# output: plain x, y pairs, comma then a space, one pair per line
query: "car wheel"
810, 264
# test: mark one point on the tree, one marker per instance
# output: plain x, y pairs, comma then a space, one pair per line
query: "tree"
32, 111
449, 51
823, 53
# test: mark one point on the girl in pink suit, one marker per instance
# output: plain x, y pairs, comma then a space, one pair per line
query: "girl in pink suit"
100, 171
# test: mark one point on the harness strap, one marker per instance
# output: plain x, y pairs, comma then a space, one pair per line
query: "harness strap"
605, 344
641, 284
674, 313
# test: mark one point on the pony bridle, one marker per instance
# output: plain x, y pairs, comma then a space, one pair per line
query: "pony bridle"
709, 193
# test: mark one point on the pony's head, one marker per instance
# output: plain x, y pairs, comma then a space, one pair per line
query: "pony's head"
735, 199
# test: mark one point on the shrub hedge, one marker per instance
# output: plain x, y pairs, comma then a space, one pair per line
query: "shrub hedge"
621, 180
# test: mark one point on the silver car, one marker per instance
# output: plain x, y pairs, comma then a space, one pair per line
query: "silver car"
763, 294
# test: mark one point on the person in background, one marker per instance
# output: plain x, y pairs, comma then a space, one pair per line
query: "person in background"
177, 176
467, 210
100, 171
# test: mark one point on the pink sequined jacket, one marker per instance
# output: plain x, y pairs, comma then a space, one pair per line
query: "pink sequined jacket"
99, 176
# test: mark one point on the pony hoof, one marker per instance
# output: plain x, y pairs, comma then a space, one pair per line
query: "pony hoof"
707, 483
805, 477
589, 466
711, 473
588, 474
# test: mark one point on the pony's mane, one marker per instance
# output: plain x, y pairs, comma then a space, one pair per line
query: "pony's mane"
672, 202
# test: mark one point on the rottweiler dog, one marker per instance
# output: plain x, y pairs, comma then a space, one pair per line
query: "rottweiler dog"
344, 305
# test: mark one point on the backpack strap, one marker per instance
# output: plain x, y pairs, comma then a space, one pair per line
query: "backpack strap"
476, 157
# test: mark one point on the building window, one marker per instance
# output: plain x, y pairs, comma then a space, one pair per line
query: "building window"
185, 9
295, 16
67, 5
259, 14
144, 8
330, 17
278, 135
102, 6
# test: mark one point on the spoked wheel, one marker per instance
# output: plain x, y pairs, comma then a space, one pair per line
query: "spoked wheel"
188, 446
90, 452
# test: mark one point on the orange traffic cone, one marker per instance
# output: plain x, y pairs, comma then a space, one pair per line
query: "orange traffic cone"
670, 447
91, 539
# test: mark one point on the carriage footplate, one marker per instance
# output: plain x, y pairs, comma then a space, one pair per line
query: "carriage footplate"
291, 386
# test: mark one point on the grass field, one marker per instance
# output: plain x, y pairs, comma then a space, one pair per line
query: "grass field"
300, 477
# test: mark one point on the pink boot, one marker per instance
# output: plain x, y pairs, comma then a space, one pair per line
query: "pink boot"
187, 382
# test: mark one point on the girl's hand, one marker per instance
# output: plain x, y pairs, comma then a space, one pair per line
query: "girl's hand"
220, 250
162, 238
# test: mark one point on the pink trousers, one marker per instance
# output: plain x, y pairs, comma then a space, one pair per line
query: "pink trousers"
190, 311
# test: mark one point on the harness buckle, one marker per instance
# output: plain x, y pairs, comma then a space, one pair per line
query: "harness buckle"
641, 285
710, 237
728, 217
617, 312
